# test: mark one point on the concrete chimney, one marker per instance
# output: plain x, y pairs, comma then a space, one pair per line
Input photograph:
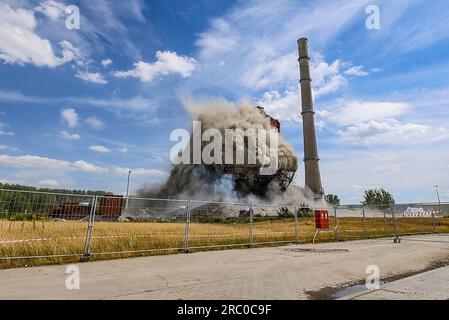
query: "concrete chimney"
312, 169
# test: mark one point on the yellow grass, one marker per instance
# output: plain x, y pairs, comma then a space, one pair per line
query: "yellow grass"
44, 238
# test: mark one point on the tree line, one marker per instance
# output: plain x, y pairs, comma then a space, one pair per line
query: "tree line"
371, 197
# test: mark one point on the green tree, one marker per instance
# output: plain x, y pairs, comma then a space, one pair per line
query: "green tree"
377, 197
332, 199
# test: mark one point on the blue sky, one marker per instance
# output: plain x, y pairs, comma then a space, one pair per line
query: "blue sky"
78, 108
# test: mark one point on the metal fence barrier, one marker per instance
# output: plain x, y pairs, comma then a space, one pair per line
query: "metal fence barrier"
49, 227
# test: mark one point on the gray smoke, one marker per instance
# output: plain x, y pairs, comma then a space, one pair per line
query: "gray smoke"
200, 182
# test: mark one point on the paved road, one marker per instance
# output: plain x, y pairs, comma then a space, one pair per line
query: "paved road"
289, 272
431, 285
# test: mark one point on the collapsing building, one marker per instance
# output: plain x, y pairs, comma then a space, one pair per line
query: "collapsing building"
236, 181
248, 178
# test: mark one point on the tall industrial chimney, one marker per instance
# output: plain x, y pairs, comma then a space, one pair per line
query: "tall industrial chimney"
312, 169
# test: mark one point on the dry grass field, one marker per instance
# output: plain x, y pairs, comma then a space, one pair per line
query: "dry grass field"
123, 239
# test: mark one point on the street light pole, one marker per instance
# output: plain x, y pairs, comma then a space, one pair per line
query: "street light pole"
438, 195
127, 190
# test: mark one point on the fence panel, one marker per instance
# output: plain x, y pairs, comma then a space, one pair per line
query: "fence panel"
350, 222
128, 226
378, 222
421, 218
42, 227
274, 223
217, 224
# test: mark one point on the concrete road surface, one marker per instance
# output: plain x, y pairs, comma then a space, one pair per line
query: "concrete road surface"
431, 285
288, 272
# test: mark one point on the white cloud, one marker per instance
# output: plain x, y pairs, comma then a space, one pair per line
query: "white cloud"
140, 172
255, 40
167, 63
52, 9
219, 40
284, 106
4, 131
326, 77
344, 112
94, 77
29, 161
356, 71
70, 117
37, 162
48, 183
123, 150
95, 123
88, 167
271, 73
99, 148
20, 44
387, 131
68, 136
106, 62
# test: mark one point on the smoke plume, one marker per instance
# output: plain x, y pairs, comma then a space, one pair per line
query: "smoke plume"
210, 182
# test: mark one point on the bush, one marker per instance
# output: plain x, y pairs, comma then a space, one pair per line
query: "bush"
304, 212
284, 212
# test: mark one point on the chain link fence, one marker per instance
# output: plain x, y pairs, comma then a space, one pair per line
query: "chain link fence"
43, 228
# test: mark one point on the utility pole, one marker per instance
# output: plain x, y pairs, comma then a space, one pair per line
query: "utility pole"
438, 195
127, 189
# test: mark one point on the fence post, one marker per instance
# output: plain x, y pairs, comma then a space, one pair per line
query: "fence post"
90, 229
337, 227
251, 226
187, 227
421, 227
385, 222
395, 225
364, 223
433, 222
296, 226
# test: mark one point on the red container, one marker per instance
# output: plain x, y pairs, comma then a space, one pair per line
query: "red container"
110, 206
322, 219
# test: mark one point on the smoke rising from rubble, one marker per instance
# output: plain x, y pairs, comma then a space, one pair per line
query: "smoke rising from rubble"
200, 182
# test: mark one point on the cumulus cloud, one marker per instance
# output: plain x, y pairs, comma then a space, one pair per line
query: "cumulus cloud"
48, 183
29, 161
284, 106
140, 172
94, 77
70, 117
20, 44
38, 162
347, 112
95, 123
88, 167
356, 71
69, 136
100, 149
326, 77
52, 9
106, 62
390, 131
167, 62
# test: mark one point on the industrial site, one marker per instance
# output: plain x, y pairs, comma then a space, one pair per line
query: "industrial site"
243, 161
